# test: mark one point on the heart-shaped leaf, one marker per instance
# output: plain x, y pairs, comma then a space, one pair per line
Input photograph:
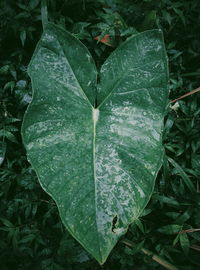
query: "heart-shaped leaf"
97, 148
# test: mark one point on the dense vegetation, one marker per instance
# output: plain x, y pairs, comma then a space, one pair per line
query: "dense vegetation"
31, 233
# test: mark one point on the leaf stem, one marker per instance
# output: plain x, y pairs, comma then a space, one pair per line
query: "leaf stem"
44, 13
153, 256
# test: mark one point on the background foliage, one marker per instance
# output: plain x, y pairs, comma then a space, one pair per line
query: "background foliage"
31, 233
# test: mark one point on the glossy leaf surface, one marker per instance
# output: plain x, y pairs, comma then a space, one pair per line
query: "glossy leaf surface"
98, 164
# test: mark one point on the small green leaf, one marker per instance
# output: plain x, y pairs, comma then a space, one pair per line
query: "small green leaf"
185, 243
180, 14
6, 222
4, 69
139, 225
22, 15
183, 175
2, 151
10, 85
176, 240
7, 134
167, 17
150, 20
33, 4
137, 248
167, 200
23, 37
170, 229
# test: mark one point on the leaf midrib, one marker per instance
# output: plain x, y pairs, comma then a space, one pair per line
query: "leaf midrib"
94, 170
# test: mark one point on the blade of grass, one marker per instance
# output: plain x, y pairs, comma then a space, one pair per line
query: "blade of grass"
190, 74
153, 256
183, 175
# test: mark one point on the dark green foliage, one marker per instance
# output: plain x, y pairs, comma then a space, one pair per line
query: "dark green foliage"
31, 233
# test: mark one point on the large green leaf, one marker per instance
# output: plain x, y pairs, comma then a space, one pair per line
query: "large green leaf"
99, 164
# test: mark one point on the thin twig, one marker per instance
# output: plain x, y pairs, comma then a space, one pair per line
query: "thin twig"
153, 256
195, 247
187, 94
188, 231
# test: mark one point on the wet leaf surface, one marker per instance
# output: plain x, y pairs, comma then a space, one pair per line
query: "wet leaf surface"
97, 148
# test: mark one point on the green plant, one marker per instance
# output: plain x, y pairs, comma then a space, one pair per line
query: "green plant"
97, 148
31, 233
